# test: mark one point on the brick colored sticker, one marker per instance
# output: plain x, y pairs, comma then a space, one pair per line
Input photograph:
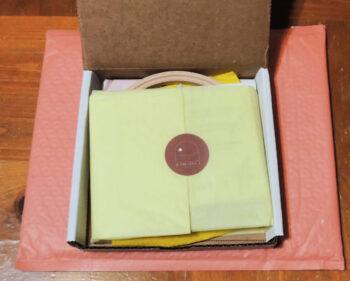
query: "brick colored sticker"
187, 154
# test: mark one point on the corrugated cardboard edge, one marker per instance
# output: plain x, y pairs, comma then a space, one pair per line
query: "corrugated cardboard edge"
79, 198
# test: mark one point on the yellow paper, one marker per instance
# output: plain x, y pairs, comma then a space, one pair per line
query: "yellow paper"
169, 241
133, 192
180, 240
233, 190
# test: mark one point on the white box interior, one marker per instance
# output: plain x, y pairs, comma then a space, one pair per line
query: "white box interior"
79, 201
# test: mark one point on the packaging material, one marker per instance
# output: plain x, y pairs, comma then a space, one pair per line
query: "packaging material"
193, 162
134, 196
298, 64
129, 39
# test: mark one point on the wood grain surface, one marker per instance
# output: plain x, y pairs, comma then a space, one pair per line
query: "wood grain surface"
23, 24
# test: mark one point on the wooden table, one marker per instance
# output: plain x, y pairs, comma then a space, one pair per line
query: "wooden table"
22, 41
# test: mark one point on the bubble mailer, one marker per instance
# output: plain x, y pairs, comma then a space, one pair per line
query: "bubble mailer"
299, 77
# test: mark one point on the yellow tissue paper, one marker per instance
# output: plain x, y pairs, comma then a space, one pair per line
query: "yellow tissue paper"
133, 191
232, 191
169, 241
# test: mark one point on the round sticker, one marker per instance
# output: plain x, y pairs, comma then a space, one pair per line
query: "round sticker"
187, 154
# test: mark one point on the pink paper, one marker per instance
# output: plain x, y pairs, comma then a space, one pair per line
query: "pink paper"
298, 64
118, 84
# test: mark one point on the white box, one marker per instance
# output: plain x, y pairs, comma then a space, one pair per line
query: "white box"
78, 224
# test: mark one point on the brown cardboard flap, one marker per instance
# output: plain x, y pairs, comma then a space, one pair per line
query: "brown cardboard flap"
132, 38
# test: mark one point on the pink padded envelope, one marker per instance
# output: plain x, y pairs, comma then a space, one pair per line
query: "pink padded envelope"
299, 78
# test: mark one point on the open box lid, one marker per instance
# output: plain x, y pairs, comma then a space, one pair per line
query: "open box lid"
134, 38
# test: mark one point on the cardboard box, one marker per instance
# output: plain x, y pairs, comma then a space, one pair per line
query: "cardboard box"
128, 39
132, 39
